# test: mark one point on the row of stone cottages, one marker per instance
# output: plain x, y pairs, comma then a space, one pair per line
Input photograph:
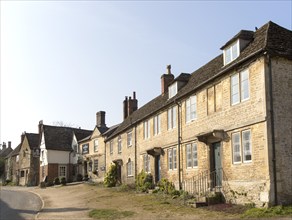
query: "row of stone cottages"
226, 126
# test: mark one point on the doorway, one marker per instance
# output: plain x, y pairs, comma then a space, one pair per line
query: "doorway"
216, 164
157, 168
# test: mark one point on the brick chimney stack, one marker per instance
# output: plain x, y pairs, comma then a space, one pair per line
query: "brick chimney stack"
166, 79
4, 146
9, 144
130, 105
100, 119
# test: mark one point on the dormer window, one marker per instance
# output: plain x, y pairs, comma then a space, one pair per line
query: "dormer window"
231, 53
172, 90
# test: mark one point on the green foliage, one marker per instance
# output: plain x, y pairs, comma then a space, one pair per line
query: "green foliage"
57, 181
110, 179
63, 181
144, 181
268, 212
79, 177
49, 183
167, 187
109, 214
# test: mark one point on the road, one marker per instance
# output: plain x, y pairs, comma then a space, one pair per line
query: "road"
18, 205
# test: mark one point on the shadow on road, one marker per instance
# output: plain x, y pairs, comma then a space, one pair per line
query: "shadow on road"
6, 212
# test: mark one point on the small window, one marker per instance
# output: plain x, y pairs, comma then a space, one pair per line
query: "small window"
129, 139
191, 155
241, 147
231, 53
239, 87
22, 173
171, 118
146, 126
172, 90
172, 158
95, 145
146, 160
119, 144
130, 168
62, 171
191, 108
95, 165
156, 125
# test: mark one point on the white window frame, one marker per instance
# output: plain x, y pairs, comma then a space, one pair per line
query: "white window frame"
146, 163
146, 128
130, 168
172, 158
63, 171
129, 139
119, 144
231, 49
191, 108
156, 125
172, 90
95, 144
192, 155
238, 83
239, 147
171, 118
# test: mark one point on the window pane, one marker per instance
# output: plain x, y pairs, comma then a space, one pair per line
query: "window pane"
227, 55
193, 107
195, 155
244, 85
234, 51
188, 110
236, 147
246, 143
170, 159
189, 155
174, 117
174, 159
234, 89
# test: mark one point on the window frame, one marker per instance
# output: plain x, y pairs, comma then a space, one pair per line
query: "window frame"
172, 90
189, 110
241, 145
129, 168
230, 48
119, 144
240, 87
172, 158
60, 172
190, 158
171, 118
95, 146
146, 129
129, 138
146, 163
156, 125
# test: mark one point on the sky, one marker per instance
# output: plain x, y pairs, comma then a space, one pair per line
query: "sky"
63, 61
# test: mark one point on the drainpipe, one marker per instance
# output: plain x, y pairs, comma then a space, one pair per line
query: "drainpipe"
272, 129
178, 142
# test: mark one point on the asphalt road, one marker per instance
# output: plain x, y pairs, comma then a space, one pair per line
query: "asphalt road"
18, 205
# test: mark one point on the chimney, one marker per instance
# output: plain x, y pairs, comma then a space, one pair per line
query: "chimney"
132, 104
9, 144
4, 146
22, 137
100, 119
40, 126
125, 106
166, 79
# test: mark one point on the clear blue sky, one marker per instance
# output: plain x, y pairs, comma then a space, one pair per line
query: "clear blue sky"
64, 61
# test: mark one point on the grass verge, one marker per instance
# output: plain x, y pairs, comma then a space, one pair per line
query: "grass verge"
268, 212
109, 214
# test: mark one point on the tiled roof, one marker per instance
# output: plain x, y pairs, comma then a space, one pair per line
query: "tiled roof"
33, 140
270, 38
6, 152
15, 152
60, 138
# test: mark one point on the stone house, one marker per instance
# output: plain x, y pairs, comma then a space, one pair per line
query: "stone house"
58, 151
12, 165
4, 152
29, 160
91, 151
225, 126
